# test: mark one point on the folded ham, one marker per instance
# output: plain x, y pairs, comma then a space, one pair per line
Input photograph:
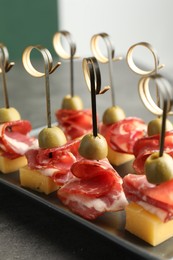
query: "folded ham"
74, 123
96, 188
15, 140
121, 136
55, 162
145, 146
157, 199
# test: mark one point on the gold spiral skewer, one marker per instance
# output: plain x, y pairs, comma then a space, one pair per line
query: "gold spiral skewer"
48, 69
145, 95
5, 66
105, 59
135, 68
60, 50
147, 77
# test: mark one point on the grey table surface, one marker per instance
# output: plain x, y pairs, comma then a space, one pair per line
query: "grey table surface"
29, 230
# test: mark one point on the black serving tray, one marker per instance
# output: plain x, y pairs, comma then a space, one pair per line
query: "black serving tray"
110, 225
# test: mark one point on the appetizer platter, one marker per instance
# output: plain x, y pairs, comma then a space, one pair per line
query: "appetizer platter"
109, 176
110, 225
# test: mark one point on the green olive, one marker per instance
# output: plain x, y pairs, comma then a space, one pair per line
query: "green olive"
112, 115
155, 126
9, 114
159, 169
51, 137
70, 102
93, 147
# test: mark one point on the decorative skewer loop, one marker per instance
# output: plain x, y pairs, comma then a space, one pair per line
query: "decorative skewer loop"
90, 66
97, 52
4, 57
145, 94
166, 93
48, 67
5, 66
148, 76
48, 61
60, 50
138, 70
58, 46
105, 59
93, 79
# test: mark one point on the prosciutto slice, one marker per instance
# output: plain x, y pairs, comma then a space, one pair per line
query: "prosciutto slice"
74, 123
144, 147
15, 140
157, 199
121, 136
55, 162
96, 188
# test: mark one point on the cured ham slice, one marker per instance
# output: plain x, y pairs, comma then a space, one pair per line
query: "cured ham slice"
121, 136
103, 129
55, 162
144, 147
74, 123
157, 199
15, 140
96, 188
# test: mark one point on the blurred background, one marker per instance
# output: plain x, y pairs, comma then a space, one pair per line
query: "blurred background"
24, 23
127, 22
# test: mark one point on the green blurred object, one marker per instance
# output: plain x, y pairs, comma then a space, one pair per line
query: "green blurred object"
27, 22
